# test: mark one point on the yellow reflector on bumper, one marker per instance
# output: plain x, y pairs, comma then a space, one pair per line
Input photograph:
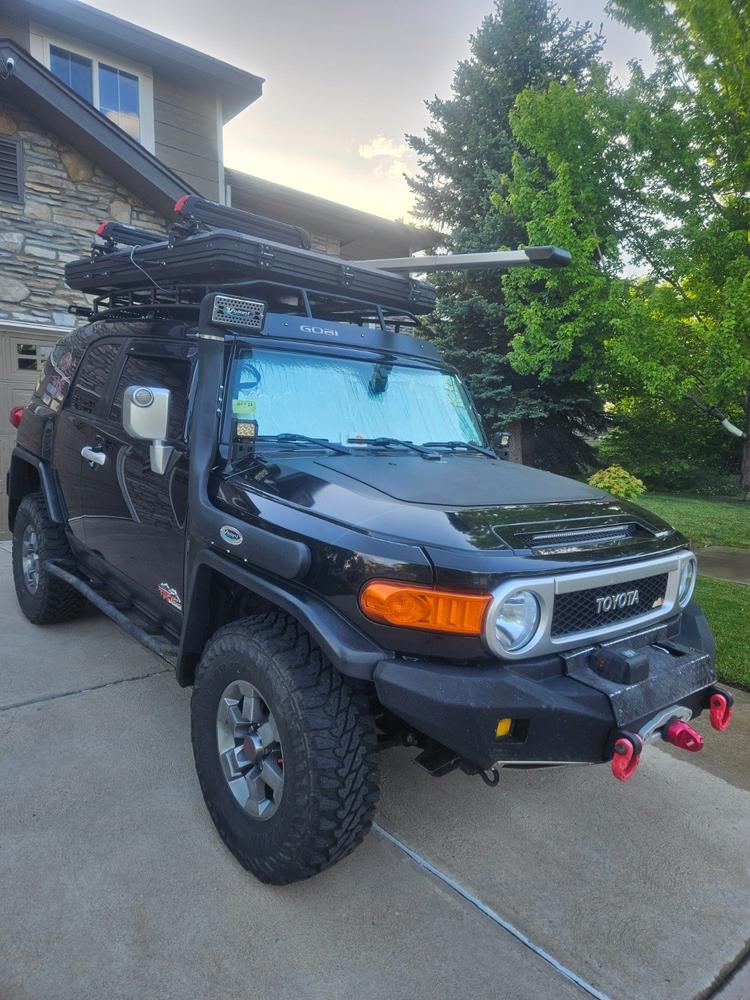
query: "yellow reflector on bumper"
503, 727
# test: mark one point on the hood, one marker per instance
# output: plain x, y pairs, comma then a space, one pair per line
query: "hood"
457, 480
464, 502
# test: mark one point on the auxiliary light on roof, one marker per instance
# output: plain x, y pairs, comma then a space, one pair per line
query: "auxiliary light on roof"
230, 310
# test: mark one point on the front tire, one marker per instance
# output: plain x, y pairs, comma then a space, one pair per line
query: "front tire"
43, 598
285, 750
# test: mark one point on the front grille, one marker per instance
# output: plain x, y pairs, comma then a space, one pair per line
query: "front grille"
582, 610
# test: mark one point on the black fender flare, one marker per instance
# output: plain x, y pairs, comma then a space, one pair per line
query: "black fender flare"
352, 653
19, 484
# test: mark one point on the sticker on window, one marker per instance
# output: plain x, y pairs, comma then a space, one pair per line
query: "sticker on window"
244, 407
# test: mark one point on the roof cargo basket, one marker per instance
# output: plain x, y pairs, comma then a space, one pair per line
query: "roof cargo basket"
201, 212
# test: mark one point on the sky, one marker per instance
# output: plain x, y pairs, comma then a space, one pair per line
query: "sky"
345, 81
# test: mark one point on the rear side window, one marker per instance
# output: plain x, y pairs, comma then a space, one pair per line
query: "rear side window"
93, 375
172, 374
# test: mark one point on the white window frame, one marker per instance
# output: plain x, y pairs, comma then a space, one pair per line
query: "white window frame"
40, 42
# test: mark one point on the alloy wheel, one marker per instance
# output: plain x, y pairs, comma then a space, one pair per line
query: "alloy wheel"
30, 558
252, 760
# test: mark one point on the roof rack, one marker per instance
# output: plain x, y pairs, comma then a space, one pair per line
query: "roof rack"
280, 298
213, 247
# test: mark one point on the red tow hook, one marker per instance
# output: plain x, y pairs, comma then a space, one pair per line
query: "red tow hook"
721, 706
627, 756
681, 735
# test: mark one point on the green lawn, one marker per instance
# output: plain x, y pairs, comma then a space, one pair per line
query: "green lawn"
704, 522
727, 607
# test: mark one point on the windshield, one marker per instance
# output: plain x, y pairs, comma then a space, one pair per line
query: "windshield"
341, 398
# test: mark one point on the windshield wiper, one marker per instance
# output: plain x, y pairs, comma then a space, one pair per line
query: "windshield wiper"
292, 438
246, 460
454, 445
340, 449
388, 442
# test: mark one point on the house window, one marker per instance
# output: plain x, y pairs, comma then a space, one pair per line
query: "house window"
32, 357
75, 70
112, 90
118, 98
122, 90
11, 170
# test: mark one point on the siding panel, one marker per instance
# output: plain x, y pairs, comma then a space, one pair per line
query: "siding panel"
186, 128
187, 163
172, 116
182, 97
15, 28
188, 142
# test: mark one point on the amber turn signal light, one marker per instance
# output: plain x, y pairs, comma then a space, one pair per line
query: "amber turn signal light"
456, 611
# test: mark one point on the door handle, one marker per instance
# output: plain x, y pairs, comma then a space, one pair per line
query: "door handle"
93, 457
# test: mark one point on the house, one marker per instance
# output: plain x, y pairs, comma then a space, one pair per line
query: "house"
101, 119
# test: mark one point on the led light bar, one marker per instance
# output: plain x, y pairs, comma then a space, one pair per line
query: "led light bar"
229, 310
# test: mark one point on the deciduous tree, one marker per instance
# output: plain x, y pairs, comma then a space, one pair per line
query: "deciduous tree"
656, 174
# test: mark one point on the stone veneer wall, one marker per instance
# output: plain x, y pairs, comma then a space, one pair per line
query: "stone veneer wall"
66, 197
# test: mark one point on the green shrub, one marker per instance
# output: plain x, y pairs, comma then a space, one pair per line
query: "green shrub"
673, 448
617, 481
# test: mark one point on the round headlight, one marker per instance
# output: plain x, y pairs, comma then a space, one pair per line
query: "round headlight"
517, 620
687, 581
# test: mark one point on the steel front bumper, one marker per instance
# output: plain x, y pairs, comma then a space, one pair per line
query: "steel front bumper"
564, 709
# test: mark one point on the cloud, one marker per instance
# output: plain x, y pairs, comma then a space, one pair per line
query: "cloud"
390, 158
381, 145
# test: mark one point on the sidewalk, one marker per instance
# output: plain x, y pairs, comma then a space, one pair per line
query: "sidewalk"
724, 563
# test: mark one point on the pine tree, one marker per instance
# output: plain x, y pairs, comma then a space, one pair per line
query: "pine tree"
466, 148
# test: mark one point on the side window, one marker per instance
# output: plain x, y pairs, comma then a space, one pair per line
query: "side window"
158, 372
93, 375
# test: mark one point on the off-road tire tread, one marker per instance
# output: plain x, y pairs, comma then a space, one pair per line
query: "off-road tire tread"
55, 600
341, 736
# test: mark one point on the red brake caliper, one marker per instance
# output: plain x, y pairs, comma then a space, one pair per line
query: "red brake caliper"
721, 706
627, 756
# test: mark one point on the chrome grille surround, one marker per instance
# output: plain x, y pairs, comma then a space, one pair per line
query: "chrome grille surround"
547, 587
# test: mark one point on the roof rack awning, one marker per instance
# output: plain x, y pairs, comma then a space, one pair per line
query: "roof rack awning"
500, 260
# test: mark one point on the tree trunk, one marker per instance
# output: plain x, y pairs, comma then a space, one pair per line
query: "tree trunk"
515, 450
522, 442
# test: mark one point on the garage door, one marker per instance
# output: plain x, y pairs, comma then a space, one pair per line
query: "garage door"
23, 351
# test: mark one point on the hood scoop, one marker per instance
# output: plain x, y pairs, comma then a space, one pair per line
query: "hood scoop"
577, 538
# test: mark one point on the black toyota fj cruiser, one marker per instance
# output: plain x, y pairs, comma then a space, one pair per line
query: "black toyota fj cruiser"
249, 462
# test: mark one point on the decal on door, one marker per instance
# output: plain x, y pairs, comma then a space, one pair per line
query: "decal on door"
170, 595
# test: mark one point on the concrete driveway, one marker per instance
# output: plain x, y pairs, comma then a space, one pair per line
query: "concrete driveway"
560, 883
